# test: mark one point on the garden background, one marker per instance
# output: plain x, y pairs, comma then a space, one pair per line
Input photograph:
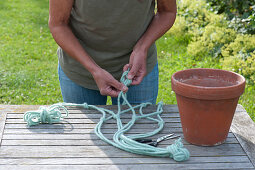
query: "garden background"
207, 34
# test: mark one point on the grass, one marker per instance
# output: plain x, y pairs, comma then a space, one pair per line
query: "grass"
28, 60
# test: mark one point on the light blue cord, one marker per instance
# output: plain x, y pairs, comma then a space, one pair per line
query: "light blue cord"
120, 140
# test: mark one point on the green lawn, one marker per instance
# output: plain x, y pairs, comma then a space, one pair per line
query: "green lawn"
28, 60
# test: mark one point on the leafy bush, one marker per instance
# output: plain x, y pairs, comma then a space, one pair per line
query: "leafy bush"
241, 14
239, 56
208, 31
209, 34
242, 43
194, 13
211, 41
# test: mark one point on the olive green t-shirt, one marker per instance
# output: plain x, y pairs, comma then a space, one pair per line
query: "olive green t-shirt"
108, 30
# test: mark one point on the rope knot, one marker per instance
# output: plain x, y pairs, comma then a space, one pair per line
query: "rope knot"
115, 116
178, 152
124, 79
44, 115
85, 105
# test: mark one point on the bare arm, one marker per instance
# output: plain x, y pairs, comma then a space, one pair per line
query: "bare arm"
58, 23
160, 24
59, 14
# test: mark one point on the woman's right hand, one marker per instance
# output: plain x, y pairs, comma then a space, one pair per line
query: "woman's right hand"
59, 26
107, 84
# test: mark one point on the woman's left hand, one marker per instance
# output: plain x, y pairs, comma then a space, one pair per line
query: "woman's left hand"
137, 66
160, 24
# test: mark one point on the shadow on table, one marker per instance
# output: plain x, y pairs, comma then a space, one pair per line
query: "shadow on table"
52, 128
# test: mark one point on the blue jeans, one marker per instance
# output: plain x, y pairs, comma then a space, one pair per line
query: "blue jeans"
146, 91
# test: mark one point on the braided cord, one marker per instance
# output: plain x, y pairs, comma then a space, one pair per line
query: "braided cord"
176, 151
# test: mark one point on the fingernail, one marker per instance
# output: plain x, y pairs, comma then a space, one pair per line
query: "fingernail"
124, 88
130, 77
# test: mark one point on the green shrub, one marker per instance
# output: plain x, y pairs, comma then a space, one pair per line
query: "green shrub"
209, 34
241, 14
206, 29
194, 12
211, 41
190, 16
239, 56
242, 43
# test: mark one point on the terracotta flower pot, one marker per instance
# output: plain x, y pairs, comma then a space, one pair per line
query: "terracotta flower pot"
207, 99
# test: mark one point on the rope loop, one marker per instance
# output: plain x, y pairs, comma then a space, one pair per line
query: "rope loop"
44, 115
120, 139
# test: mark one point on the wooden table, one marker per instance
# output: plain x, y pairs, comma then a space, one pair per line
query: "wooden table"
72, 143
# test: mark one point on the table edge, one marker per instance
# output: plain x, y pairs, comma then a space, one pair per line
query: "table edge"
4, 109
243, 128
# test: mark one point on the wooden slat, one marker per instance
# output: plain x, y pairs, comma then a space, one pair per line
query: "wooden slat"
91, 136
79, 142
76, 126
120, 161
91, 116
68, 136
82, 131
11, 126
144, 121
107, 151
74, 110
134, 167
149, 108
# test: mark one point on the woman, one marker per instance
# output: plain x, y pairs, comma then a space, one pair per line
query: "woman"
99, 39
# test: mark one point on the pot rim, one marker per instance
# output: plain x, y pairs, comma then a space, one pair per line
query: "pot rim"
210, 93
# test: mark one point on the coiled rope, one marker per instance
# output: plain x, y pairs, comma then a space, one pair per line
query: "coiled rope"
176, 151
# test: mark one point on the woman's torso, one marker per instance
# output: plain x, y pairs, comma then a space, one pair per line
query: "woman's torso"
108, 31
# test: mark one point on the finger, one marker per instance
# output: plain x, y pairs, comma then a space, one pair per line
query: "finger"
137, 80
118, 86
113, 92
110, 91
132, 73
126, 67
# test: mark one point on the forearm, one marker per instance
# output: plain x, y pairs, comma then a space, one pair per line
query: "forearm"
160, 24
70, 44
59, 14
